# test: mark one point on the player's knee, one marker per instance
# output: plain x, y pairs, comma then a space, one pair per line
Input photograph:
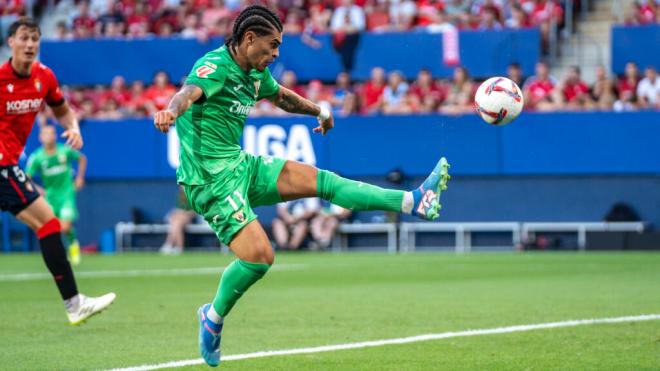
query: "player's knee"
263, 253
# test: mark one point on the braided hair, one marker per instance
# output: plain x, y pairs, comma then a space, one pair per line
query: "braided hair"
255, 18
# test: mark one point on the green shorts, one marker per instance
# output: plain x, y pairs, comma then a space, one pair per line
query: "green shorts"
64, 207
227, 205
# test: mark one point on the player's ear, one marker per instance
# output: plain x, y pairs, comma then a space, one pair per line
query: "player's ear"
250, 37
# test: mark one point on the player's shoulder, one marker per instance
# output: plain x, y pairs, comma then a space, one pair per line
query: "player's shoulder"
216, 58
41, 68
42, 71
37, 153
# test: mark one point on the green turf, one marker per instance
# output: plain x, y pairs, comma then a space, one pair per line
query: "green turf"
322, 299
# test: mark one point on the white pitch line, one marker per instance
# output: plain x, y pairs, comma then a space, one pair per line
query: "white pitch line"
134, 273
406, 340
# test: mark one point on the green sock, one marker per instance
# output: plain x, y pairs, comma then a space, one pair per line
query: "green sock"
353, 195
236, 279
71, 236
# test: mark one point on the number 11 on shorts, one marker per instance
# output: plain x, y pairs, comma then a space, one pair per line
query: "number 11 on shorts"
233, 203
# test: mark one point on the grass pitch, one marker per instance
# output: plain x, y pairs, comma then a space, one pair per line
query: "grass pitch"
324, 299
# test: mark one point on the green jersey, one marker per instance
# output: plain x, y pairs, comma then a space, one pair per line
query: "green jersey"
55, 170
210, 131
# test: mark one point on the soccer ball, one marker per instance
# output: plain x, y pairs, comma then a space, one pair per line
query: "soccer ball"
498, 101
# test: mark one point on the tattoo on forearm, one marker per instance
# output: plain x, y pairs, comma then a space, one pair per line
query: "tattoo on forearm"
181, 101
293, 103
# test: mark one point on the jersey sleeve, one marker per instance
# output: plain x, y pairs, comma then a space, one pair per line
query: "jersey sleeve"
208, 76
269, 86
54, 97
32, 169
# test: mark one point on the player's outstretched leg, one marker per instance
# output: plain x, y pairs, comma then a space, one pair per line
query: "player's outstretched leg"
423, 202
426, 198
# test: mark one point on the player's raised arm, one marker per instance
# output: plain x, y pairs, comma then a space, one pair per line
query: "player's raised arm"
82, 170
179, 104
67, 118
294, 103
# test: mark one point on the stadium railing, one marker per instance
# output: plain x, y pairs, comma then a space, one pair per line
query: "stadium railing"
463, 231
124, 232
340, 242
529, 229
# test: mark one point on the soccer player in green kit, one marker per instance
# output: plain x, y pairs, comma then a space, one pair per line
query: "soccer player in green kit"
52, 163
224, 184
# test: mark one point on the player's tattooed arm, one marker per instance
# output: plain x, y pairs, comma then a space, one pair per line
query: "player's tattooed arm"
178, 105
294, 103
185, 98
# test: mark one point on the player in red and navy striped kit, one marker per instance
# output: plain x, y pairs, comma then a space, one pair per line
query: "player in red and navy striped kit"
25, 87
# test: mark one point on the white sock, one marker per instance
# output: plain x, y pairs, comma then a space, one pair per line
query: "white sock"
72, 303
407, 203
213, 316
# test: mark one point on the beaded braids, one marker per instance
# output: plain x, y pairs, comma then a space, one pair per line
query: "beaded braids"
255, 18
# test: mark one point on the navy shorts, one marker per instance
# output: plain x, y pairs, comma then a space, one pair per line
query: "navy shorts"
16, 190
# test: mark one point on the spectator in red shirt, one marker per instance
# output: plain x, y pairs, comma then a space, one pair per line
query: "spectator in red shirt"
293, 22
544, 13
290, 81
372, 91
426, 93
538, 89
319, 16
427, 10
137, 23
647, 12
160, 92
378, 17
573, 93
139, 105
518, 19
627, 87
118, 91
83, 24
216, 12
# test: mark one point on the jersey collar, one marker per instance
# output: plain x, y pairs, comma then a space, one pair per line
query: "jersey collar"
16, 73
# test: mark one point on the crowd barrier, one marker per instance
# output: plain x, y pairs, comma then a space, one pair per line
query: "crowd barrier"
484, 53
536, 144
637, 44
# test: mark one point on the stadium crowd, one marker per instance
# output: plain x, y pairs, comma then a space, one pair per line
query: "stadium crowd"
390, 93
204, 18
643, 12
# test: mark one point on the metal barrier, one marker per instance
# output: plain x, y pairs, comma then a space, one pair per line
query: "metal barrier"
529, 229
340, 242
463, 232
124, 231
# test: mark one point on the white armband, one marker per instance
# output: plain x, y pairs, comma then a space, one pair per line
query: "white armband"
324, 114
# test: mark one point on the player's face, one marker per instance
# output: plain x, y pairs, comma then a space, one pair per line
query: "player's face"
47, 135
25, 44
262, 50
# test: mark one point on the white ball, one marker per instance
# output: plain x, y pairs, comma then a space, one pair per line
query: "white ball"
498, 101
